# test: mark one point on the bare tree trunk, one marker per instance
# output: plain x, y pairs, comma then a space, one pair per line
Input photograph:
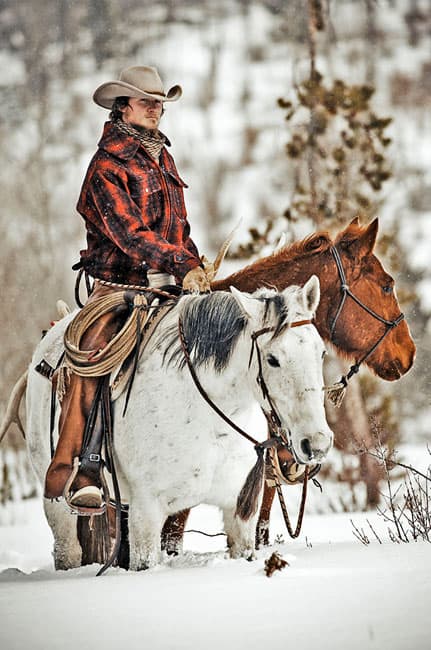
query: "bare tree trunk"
352, 430
313, 22
360, 429
371, 41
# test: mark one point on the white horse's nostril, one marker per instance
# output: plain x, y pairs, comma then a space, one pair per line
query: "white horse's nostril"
306, 448
315, 447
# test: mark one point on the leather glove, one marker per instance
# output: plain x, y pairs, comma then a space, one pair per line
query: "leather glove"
196, 281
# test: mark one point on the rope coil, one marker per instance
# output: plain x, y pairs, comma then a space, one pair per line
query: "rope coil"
96, 363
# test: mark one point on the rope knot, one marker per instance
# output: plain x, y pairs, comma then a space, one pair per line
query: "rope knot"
336, 392
353, 370
259, 449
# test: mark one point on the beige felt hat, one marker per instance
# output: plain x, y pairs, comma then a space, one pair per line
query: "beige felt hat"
138, 81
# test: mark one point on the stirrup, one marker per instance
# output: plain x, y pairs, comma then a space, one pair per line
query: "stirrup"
89, 495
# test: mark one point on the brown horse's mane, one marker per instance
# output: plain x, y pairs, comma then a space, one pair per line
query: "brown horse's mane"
317, 242
314, 243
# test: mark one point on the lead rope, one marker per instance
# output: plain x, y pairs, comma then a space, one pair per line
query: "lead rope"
293, 533
274, 421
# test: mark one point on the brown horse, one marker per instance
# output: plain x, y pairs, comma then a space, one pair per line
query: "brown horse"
358, 313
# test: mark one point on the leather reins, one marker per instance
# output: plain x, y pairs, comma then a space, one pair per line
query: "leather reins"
276, 437
345, 291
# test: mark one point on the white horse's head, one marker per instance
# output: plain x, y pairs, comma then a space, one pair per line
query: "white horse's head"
291, 360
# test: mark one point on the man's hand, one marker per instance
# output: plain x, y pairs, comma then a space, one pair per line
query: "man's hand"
196, 281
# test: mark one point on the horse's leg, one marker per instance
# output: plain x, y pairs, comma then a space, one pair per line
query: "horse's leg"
67, 550
146, 520
262, 528
240, 534
173, 532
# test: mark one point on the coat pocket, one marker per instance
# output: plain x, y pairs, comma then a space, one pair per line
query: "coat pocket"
175, 178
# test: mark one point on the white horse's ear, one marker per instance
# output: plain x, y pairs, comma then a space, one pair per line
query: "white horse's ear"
311, 294
250, 306
281, 242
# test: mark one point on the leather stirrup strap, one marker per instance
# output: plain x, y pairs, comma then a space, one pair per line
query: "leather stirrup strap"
109, 445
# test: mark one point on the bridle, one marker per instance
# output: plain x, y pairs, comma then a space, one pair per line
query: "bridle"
276, 437
345, 291
272, 416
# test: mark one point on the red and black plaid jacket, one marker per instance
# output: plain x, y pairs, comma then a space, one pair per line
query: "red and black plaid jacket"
134, 213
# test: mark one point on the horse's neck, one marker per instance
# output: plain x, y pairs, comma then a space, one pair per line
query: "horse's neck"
275, 272
260, 273
230, 388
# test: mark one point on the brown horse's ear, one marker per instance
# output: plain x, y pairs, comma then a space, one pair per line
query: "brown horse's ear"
368, 239
354, 222
363, 244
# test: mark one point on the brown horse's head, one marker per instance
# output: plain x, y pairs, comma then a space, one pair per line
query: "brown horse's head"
356, 330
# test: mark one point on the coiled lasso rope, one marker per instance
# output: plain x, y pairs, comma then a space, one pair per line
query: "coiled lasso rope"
95, 363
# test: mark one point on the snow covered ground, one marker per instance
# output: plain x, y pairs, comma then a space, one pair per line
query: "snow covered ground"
336, 593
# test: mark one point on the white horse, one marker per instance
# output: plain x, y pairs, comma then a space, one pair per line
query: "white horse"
172, 450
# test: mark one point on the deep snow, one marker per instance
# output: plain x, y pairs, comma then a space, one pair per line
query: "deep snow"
336, 593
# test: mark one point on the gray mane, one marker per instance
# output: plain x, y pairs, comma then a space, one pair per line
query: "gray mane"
213, 323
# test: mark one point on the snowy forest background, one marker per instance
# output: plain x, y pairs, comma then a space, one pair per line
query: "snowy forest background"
235, 60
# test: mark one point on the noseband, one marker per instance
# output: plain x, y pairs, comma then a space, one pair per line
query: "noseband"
345, 291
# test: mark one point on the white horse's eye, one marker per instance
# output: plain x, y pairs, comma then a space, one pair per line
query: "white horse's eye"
324, 353
273, 361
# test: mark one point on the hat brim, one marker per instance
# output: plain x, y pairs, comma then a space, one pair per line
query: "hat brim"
105, 94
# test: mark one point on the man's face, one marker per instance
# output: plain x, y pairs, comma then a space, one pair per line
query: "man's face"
143, 112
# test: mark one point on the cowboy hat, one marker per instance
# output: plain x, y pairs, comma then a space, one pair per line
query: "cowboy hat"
138, 81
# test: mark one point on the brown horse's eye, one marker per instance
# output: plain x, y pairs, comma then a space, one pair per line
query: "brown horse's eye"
387, 289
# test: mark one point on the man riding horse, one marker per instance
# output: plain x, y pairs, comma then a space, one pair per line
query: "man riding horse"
132, 202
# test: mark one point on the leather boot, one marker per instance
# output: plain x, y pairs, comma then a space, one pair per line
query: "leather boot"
75, 409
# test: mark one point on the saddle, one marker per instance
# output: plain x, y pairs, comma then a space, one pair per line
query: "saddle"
114, 365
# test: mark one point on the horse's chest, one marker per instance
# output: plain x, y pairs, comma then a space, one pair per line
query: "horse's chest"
191, 464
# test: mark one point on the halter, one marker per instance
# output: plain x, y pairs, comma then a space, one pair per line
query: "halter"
389, 324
